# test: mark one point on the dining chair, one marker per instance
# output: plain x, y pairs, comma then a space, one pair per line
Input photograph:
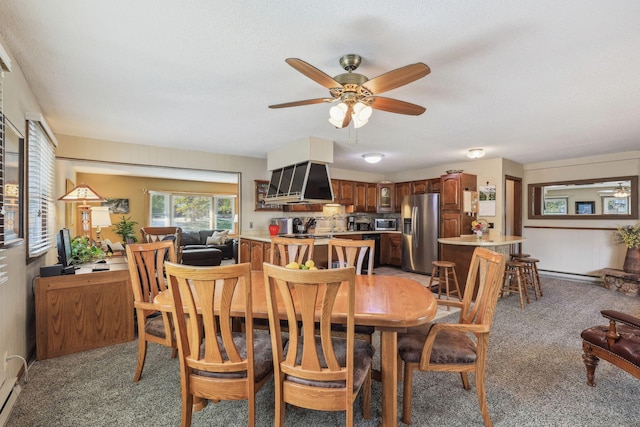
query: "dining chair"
216, 363
352, 253
146, 270
315, 372
457, 347
156, 234
287, 249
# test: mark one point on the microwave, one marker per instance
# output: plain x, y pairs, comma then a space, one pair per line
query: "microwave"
384, 224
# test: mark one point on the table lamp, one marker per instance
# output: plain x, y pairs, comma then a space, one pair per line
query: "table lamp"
100, 218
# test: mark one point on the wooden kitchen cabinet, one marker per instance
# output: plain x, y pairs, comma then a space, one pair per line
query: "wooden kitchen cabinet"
372, 197
360, 197
257, 254
433, 185
244, 251
453, 221
343, 191
391, 249
419, 187
402, 189
385, 199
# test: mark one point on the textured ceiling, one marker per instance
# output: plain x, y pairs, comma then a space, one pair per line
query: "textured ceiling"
528, 81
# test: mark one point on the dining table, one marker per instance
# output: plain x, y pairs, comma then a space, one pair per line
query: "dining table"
389, 303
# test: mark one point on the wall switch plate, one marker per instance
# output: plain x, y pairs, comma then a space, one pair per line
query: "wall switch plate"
251, 224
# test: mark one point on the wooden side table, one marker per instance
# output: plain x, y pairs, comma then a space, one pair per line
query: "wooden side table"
83, 311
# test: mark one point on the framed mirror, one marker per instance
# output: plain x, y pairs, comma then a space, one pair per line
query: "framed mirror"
13, 157
601, 198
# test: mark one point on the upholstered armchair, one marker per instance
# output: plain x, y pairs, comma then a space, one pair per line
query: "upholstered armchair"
617, 343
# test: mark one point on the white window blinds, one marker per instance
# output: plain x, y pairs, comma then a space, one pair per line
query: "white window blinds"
40, 178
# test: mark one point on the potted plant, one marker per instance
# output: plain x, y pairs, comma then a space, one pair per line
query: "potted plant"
630, 236
83, 251
124, 229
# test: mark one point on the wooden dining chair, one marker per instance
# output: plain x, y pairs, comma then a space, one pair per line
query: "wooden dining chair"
315, 372
157, 234
352, 253
227, 365
286, 249
146, 269
457, 347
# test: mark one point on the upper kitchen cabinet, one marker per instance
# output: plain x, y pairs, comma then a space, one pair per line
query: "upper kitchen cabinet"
419, 187
385, 197
372, 197
452, 188
401, 189
360, 197
433, 185
343, 191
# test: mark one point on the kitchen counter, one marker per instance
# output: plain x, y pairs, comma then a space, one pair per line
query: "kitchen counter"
320, 239
460, 250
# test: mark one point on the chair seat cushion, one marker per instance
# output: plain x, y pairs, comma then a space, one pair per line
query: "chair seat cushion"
449, 346
363, 353
155, 326
627, 347
262, 356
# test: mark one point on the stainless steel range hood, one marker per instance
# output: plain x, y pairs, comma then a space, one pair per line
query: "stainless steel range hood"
305, 182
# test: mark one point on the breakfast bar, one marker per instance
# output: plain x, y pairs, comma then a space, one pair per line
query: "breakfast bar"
460, 249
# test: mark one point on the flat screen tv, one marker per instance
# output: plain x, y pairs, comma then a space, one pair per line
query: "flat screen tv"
64, 247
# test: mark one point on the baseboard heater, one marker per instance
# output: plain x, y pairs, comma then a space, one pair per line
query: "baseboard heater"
9, 392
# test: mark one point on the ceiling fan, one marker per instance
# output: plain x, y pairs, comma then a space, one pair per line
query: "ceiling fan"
357, 95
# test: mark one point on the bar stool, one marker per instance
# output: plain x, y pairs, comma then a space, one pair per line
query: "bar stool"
514, 280
531, 274
514, 255
444, 269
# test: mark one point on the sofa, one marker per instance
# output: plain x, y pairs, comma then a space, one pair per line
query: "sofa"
197, 240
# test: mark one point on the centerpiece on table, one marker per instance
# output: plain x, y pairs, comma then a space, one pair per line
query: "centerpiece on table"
83, 251
479, 227
630, 236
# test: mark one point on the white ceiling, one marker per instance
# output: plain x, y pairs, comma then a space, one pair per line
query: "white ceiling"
528, 81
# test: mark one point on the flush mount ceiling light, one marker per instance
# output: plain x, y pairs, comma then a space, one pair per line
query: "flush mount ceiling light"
621, 192
373, 157
475, 153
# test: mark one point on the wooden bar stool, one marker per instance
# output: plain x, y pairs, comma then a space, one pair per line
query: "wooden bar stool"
444, 269
514, 280
532, 265
514, 255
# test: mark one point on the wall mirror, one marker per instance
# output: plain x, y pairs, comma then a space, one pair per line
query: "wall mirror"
13, 183
601, 198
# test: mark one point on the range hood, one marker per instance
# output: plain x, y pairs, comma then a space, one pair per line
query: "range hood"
305, 182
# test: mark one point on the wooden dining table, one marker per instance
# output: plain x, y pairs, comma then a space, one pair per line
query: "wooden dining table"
389, 303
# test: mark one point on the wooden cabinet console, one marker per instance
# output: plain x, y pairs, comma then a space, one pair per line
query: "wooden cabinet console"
79, 312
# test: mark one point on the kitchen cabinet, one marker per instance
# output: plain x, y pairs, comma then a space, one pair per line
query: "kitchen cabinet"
244, 251
433, 185
303, 207
419, 187
453, 221
257, 254
360, 197
402, 189
385, 197
391, 249
343, 191
372, 197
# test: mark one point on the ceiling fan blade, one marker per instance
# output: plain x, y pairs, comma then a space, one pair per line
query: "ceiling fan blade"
305, 102
313, 73
396, 78
347, 117
396, 106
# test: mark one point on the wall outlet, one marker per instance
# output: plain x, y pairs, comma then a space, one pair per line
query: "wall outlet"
251, 224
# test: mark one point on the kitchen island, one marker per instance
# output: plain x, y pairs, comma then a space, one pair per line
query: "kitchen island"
460, 250
256, 249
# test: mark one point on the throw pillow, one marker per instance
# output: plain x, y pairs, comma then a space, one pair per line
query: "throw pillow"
218, 238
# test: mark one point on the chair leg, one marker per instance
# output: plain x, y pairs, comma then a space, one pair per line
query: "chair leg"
142, 353
465, 380
482, 396
407, 387
366, 397
252, 410
590, 362
187, 407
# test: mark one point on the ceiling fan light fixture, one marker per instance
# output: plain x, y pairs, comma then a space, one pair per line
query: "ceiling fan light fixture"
475, 153
621, 192
372, 157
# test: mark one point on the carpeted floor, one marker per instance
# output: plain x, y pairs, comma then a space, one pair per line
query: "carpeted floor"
535, 377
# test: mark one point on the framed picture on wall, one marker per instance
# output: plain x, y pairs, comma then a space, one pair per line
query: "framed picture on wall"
585, 208
117, 206
615, 205
555, 206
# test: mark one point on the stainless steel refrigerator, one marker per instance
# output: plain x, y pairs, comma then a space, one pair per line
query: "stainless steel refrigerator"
420, 231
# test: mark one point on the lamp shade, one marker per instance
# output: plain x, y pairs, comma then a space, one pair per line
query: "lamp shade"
82, 193
100, 216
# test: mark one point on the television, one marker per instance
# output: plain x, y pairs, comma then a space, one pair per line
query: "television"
64, 249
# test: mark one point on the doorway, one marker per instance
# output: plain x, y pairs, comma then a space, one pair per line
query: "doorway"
513, 208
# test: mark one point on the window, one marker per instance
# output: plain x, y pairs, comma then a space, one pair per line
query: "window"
192, 212
40, 178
